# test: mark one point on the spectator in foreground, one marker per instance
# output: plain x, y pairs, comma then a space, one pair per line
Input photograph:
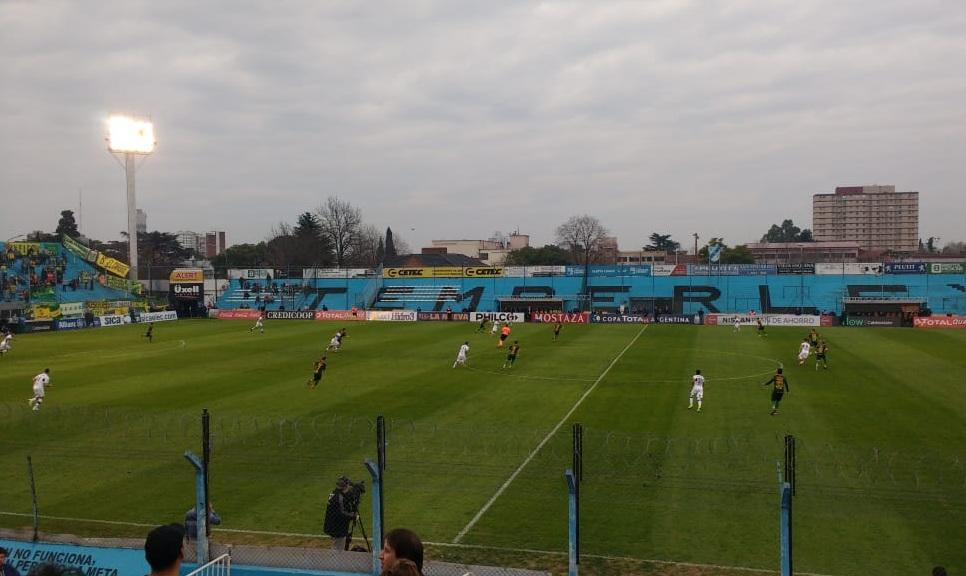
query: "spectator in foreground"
402, 567
6, 569
164, 549
401, 544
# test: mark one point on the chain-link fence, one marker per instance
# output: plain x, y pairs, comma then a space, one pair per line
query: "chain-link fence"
108, 472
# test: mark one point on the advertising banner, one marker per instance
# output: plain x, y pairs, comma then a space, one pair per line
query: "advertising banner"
676, 319
940, 322
69, 324
560, 317
905, 267
767, 319
497, 316
448, 272
187, 291
38, 325
407, 272
443, 316
115, 267
802, 268
112, 320
25, 556
620, 319
249, 273
602, 271
187, 275
71, 308
850, 268
533, 271
310, 273
871, 322
340, 315
164, 316
290, 315
947, 268
391, 315
483, 272
44, 312
669, 270
238, 314
731, 269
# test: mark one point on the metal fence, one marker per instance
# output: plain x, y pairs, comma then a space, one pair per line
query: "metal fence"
113, 472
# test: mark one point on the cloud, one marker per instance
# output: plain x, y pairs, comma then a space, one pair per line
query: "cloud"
461, 118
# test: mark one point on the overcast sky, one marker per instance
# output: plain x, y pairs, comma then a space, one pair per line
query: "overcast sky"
454, 119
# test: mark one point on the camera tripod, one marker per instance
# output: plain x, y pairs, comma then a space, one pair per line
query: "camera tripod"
352, 526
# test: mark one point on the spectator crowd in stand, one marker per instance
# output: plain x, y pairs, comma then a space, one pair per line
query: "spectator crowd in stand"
36, 271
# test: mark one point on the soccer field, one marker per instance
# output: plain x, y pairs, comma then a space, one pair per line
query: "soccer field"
881, 436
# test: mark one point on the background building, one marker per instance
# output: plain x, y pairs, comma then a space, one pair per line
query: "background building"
214, 243
797, 252
876, 217
492, 252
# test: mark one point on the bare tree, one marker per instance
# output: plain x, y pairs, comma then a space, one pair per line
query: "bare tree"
583, 236
341, 224
365, 247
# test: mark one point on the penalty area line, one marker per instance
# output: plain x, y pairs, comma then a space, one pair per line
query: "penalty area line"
469, 526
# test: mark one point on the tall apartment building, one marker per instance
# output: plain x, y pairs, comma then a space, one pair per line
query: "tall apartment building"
877, 217
141, 221
206, 245
214, 243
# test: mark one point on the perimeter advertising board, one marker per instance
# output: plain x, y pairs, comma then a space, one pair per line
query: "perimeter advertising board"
850, 268
391, 315
560, 317
871, 322
443, 316
940, 322
731, 269
111, 320
165, 316
497, 316
290, 315
620, 319
238, 314
343, 315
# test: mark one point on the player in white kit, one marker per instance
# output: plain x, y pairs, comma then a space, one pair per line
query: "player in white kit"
259, 325
697, 390
737, 329
495, 328
803, 351
6, 344
41, 381
461, 355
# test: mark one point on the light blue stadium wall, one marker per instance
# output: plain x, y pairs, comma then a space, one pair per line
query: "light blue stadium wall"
688, 294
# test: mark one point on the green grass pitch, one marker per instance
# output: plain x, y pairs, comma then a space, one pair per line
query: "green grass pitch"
881, 436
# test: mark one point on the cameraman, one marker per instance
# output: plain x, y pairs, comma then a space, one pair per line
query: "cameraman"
339, 513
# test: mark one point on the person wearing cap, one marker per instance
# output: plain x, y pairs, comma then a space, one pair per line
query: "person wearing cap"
338, 514
164, 549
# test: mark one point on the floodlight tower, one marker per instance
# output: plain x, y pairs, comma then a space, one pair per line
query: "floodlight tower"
130, 137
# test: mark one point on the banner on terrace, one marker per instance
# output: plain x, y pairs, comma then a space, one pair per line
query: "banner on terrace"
597, 270
312, 273
115, 267
533, 271
905, 267
71, 308
850, 268
25, 248
443, 272
249, 273
947, 268
802, 268
122, 284
669, 270
79, 250
731, 269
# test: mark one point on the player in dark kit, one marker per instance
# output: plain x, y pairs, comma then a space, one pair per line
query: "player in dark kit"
761, 328
779, 387
150, 333
482, 326
813, 338
820, 354
317, 373
556, 331
511, 354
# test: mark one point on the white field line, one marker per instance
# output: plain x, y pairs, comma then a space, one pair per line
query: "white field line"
469, 526
441, 544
